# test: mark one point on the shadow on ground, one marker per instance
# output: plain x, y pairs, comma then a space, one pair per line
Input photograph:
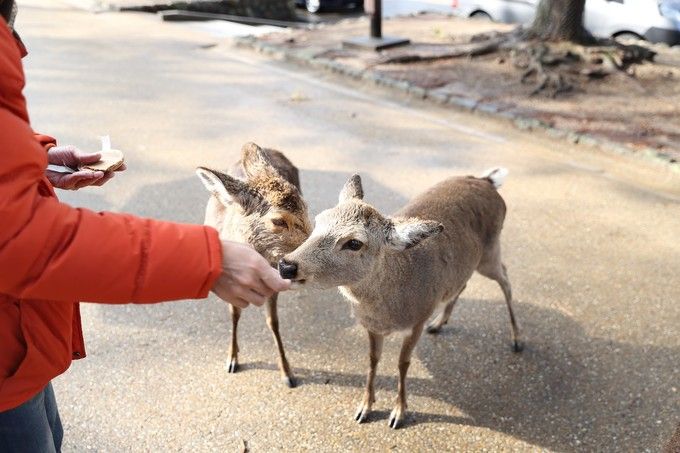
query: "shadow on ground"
559, 393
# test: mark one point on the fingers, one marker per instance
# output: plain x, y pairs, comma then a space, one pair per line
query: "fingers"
63, 155
86, 158
252, 297
273, 280
71, 156
238, 297
77, 180
225, 294
248, 291
240, 303
107, 177
90, 180
256, 284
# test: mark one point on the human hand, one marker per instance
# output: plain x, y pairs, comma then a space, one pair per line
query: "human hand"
72, 157
246, 278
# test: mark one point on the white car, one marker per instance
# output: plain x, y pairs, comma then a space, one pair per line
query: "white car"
656, 21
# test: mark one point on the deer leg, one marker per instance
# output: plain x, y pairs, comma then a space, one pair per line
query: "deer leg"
232, 358
376, 344
492, 267
273, 323
436, 325
397, 415
504, 283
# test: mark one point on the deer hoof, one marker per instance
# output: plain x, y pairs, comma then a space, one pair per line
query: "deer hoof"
396, 418
290, 381
362, 413
433, 329
517, 346
232, 365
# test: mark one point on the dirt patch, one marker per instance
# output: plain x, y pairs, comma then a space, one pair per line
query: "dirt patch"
639, 108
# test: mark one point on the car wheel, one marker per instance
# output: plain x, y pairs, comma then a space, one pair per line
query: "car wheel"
480, 15
627, 36
313, 6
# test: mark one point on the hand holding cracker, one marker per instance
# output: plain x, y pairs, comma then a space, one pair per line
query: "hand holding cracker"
73, 169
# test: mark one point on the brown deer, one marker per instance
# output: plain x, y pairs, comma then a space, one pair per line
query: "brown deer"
393, 276
258, 202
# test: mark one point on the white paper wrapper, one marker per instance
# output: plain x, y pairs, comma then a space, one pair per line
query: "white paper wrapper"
60, 168
106, 142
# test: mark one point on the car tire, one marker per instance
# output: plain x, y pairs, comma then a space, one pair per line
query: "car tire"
627, 36
480, 15
313, 6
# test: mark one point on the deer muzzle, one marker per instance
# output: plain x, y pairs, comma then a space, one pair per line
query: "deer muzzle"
288, 269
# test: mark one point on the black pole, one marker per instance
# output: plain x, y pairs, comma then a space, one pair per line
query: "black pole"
376, 19
375, 41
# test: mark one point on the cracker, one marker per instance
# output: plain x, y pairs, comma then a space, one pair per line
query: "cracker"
111, 160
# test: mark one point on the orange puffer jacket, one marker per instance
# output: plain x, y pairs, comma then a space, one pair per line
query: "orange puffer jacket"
52, 255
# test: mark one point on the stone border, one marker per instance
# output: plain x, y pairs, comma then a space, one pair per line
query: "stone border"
440, 97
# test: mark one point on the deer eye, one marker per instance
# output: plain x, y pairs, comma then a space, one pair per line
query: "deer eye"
352, 244
279, 222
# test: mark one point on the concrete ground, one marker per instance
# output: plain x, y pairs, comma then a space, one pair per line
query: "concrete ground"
591, 244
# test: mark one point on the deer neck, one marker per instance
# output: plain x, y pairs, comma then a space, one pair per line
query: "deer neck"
370, 288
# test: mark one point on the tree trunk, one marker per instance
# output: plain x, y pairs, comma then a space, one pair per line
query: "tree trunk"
559, 20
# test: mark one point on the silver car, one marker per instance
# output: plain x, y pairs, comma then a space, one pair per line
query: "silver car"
648, 19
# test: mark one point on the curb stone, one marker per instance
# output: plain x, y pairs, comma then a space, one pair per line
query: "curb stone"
441, 97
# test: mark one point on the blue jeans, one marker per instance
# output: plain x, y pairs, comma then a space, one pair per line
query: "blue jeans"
33, 427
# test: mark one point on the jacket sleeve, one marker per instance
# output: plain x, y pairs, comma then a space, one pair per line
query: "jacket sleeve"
51, 251
46, 141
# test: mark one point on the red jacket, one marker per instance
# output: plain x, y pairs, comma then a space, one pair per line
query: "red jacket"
52, 255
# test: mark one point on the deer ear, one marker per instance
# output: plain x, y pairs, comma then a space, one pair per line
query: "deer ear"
228, 189
403, 234
352, 189
255, 160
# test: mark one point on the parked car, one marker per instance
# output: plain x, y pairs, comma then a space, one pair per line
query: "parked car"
643, 19
314, 6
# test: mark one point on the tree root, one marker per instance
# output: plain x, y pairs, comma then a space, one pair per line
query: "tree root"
553, 68
417, 52
540, 64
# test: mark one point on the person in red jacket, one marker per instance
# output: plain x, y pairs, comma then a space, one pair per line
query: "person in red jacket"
53, 255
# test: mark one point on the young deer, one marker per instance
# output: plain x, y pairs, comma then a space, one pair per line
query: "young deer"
394, 283
258, 202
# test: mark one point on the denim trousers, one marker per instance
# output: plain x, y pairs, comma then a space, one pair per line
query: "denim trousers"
33, 427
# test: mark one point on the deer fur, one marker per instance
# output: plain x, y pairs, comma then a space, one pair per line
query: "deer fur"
259, 202
406, 265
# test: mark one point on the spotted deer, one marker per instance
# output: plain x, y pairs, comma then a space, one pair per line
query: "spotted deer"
394, 277
258, 202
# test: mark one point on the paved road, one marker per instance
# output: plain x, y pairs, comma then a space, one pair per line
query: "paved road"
591, 243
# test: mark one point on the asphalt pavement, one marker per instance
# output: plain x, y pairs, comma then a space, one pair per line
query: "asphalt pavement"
590, 242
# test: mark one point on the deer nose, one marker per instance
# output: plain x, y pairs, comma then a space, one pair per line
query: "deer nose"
287, 269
